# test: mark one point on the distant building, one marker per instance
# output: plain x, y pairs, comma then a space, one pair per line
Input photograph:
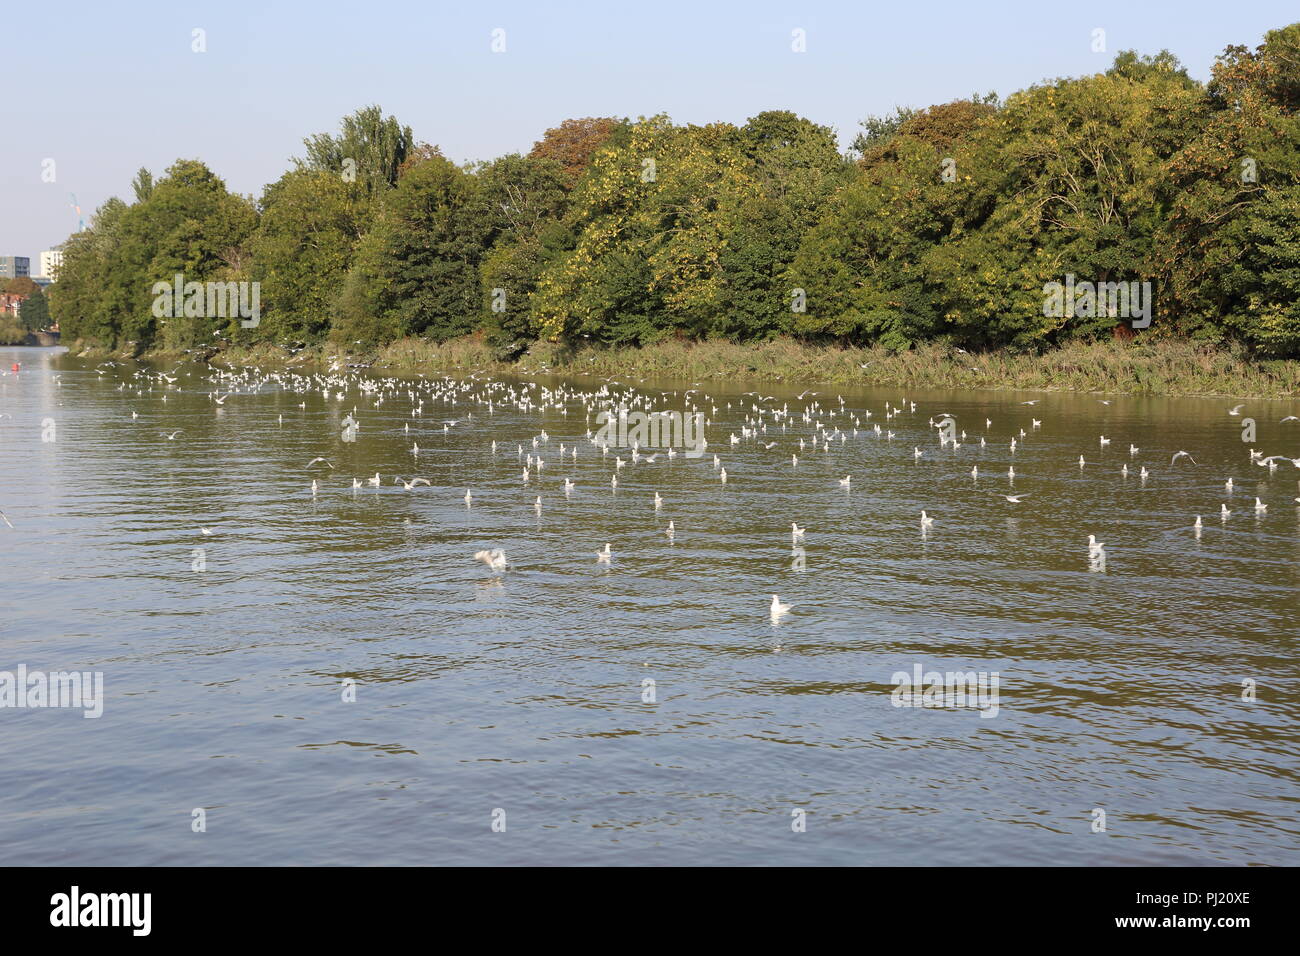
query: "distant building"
12, 267
11, 304
51, 259
43, 281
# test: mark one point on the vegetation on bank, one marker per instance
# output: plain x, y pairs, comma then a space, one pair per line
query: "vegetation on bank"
938, 231
1169, 367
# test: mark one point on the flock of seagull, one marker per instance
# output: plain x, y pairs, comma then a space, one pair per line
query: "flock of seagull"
817, 426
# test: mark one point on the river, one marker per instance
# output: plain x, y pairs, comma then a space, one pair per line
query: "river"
331, 678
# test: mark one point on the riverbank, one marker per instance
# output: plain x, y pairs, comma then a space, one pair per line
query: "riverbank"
1160, 367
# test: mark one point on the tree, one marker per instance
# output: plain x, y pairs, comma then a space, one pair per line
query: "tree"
35, 312
311, 223
574, 142
369, 150
416, 273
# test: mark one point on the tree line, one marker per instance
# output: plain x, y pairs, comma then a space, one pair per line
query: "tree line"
943, 223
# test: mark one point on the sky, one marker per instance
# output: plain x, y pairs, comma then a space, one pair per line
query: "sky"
103, 88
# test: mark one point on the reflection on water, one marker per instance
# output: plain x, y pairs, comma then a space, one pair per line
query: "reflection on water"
650, 709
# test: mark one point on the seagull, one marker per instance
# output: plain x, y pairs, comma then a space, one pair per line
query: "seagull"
1289, 418
1081, 461
315, 460
409, 485
1094, 545
1236, 409
1133, 450
602, 557
1223, 511
670, 531
1260, 507
796, 532
1015, 499
845, 481
659, 502
1104, 441
926, 520
1228, 484
469, 498
1197, 526
172, 436
374, 482
778, 609
494, 559
1034, 402
1182, 454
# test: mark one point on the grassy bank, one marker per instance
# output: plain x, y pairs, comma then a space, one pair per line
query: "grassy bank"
1167, 367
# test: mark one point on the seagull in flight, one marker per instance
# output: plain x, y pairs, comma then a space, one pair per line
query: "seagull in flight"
318, 460
1014, 499
1236, 409
410, 485
1182, 454
172, 436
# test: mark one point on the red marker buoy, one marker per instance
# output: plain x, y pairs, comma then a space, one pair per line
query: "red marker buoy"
15, 366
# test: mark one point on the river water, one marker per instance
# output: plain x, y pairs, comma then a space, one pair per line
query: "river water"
647, 710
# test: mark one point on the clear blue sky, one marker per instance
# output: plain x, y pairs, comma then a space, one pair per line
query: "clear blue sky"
104, 88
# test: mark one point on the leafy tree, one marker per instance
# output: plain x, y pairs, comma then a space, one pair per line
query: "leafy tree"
416, 273
573, 142
35, 311
369, 147
311, 223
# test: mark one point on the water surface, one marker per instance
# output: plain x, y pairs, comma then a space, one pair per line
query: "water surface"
1119, 690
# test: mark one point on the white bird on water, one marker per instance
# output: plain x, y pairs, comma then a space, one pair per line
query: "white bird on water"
408, 485
670, 531
778, 610
602, 557
1094, 545
926, 520
1197, 526
494, 559
796, 532
374, 482
846, 481
1260, 507
1228, 484
469, 498
659, 502
1015, 499
1223, 511
1182, 454
537, 505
